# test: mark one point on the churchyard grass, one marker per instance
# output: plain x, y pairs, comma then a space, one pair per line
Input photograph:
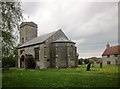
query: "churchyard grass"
63, 77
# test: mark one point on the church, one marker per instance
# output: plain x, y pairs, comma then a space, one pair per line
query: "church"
50, 50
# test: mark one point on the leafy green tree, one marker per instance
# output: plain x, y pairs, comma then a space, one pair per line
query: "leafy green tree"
11, 14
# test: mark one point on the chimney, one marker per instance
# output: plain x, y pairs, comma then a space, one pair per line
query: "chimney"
107, 45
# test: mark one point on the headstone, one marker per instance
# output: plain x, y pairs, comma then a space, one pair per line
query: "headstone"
100, 64
88, 67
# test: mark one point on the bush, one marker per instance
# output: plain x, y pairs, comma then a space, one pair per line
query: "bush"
8, 61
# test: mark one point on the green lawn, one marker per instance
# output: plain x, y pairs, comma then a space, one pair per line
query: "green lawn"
64, 77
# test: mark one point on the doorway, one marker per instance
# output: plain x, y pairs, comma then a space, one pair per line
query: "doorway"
22, 61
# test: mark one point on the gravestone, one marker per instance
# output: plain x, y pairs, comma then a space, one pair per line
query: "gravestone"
88, 67
100, 64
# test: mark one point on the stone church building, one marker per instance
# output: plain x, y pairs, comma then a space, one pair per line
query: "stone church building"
50, 50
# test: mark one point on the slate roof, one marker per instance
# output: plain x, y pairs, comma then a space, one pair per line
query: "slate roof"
37, 40
112, 50
62, 39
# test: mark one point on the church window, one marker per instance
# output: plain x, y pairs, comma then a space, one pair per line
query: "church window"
45, 53
36, 50
56, 48
21, 51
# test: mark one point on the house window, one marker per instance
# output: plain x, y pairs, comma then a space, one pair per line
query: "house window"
108, 62
115, 55
108, 56
36, 51
22, 40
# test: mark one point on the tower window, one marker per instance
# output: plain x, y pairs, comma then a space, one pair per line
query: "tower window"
22, 40
48, 60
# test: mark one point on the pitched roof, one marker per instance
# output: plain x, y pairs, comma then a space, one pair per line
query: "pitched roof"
62, 39
112, 50
37, 40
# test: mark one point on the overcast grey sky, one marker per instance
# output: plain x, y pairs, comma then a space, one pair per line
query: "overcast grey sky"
90, 24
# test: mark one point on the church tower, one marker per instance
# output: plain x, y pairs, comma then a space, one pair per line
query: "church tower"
28, 31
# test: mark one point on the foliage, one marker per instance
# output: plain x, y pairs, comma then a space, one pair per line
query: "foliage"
11, 16
64, 77
10, 61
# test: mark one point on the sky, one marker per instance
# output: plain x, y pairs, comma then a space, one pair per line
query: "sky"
90, 24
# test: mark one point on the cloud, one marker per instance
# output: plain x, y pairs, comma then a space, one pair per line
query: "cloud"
90, 24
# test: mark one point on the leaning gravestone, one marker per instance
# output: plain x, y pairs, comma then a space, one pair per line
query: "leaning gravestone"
88, 67
100, 64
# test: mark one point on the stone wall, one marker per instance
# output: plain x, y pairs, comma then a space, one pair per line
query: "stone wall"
63, 55
27, 32
54, 37
71, 55
30, 50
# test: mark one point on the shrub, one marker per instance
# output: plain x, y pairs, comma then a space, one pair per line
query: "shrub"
8, 61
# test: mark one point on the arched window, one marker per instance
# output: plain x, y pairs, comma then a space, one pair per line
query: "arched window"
36, 50
45, 51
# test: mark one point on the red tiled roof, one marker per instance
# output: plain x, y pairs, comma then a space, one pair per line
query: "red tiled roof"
112, 50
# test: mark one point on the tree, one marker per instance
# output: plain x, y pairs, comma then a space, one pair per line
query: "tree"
11, 17
8, 61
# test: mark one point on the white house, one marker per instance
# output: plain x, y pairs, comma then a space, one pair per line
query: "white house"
111, 55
